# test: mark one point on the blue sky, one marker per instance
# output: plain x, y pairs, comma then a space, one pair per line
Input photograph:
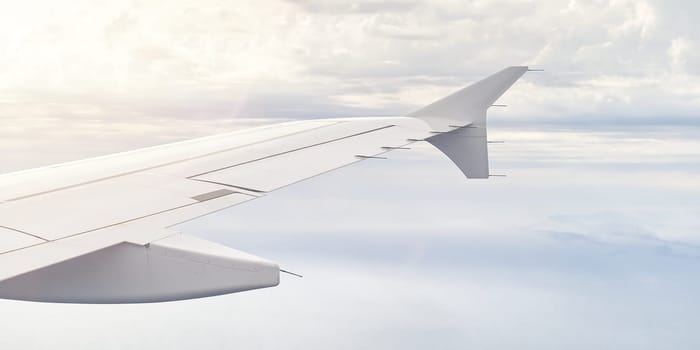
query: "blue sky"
592, 241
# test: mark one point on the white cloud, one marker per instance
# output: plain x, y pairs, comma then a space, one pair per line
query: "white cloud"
176, 60
594, 230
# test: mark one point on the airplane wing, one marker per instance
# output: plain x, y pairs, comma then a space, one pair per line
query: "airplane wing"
104, 230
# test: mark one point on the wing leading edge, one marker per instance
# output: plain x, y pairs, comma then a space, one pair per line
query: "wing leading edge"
104, 230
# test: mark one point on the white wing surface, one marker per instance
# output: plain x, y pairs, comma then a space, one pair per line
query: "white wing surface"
103, 230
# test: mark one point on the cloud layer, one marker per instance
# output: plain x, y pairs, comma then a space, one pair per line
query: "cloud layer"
629, 61
591, 241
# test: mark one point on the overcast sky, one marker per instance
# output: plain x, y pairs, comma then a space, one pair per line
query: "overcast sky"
592, 241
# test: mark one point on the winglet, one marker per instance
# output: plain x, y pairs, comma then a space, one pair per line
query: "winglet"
460, 120
469, 105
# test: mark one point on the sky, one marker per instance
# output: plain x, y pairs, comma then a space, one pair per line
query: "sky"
592, 241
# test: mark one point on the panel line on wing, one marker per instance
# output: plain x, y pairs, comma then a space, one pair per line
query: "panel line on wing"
140, 218
261, 192
22, 232
24, 247
292, 150
168, 164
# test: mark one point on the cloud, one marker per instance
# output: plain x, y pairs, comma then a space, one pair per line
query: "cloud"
594, 230
360, 7
613, 58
